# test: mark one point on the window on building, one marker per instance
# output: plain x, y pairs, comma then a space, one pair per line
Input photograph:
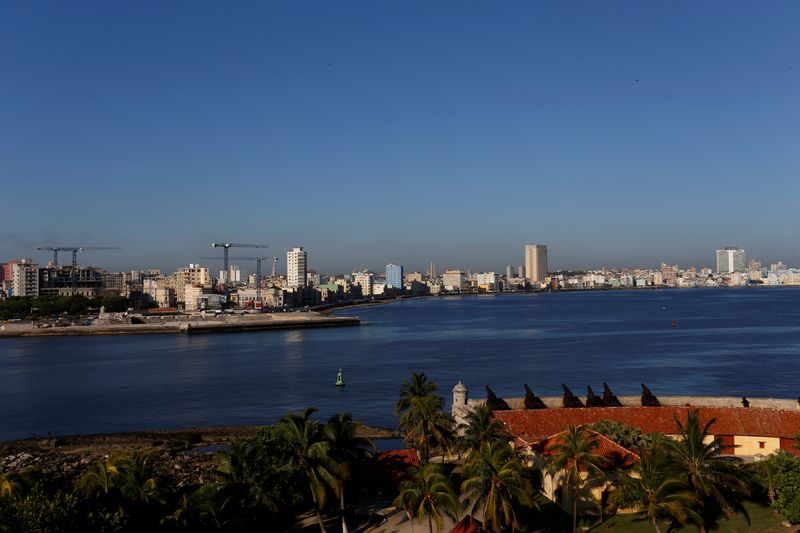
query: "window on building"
761, 444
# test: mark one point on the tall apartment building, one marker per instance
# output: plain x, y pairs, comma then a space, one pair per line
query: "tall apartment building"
394, 276
454, 280
536, 262
25, 278
730, 259
365, 280
296, 268
191, 275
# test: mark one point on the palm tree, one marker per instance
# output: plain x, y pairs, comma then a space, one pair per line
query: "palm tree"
428, 493
494, 479
102, 477
481, 427
422, 415
714, 480
346, 448
574, 455
310, 456
241, 474
195, 511
654, 490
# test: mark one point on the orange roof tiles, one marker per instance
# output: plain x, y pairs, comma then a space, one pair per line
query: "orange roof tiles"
541, 423
617, 456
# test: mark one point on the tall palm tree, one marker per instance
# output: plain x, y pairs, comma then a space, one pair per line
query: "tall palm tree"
346, 448
428, 493
494, 479
714, 479
422, 415
310, 456
655, 491
480, 427
574, 455
239, 468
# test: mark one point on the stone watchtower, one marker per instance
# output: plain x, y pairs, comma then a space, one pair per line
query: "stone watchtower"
460, 409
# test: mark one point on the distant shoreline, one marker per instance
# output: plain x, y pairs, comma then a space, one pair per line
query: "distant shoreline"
224, 324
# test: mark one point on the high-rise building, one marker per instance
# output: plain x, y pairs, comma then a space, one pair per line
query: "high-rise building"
296, 268
509, 271
520, 271
731, 259
394, 276
25, 278
454, 280
536, 262
364, 279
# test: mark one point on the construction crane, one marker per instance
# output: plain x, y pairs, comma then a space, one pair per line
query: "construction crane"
74, 250
226, 245
258, 273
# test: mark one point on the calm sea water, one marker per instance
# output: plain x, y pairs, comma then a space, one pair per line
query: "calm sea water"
728, 341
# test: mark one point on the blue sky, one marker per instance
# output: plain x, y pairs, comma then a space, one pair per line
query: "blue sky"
618, 133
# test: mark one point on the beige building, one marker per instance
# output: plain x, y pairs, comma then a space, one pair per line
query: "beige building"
536, 262
365, 280
454, 280
191, 275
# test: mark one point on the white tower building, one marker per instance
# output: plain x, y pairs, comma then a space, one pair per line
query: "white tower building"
296, 268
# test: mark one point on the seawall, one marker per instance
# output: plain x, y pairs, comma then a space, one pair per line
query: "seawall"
224, 324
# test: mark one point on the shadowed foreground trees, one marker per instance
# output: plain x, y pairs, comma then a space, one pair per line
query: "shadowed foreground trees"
428, 494
495, 481
422, 416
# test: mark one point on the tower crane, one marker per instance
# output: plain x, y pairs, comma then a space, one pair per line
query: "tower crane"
226, 245
258, 260
74, 250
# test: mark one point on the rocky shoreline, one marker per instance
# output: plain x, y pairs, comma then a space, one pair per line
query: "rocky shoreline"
188, 453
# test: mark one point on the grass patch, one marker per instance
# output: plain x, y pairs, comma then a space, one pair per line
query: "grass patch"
762, 520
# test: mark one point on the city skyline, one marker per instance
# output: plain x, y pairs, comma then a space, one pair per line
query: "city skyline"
361, 132
103, 259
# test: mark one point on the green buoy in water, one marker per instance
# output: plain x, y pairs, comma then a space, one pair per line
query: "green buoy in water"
339, 379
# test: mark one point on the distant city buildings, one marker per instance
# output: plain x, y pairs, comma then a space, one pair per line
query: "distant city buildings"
365, 280
394, 276
730, 259
25, 278
454, 280
536, 262
296, 268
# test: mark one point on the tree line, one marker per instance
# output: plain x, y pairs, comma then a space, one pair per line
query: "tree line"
43, 306
303, 465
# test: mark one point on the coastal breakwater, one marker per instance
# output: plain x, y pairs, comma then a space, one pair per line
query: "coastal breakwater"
186, 325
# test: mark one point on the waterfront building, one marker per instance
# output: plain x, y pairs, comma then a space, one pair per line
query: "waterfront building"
509, 271
487, 281
312, 279
57, 280
25, 278
394, 276
365, 280
520, 271
194, 274
536, 262
454, 280
730, 259
777, 267
296, 268
413, 276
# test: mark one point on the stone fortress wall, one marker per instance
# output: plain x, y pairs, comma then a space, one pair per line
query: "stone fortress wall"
462, 405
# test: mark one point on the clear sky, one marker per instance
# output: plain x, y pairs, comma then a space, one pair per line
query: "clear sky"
618, 133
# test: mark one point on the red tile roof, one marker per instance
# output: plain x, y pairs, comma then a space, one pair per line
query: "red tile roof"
468, 524
537, 424
616, 455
